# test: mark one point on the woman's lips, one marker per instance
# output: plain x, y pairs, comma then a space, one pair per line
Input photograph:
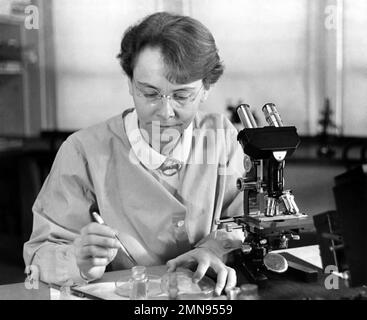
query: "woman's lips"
173, 125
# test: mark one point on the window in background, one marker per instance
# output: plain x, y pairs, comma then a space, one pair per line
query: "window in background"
90, 85
274, 51
264, 45
355, 68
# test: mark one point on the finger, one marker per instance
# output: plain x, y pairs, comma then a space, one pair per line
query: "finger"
113, 253
98, 229
171, 266
231, 278
101, 241
99, 262
200, 271
95, 252
221, 281
181, 260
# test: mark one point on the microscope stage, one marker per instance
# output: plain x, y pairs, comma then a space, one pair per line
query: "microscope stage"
280, 217
280, 221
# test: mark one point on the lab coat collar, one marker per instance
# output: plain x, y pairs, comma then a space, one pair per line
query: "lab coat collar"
148, 156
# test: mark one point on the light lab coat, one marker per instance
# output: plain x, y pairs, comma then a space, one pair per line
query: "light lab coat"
155, 221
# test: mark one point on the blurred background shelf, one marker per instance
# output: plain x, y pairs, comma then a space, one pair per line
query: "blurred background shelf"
14, 68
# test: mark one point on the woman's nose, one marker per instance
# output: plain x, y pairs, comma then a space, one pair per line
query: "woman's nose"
166, 110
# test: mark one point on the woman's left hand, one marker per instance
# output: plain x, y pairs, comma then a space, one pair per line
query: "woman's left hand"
205, 259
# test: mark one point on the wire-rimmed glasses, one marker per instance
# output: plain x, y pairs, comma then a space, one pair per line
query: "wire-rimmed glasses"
154, 97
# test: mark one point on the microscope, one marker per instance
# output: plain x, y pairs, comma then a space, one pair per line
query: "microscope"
270, 216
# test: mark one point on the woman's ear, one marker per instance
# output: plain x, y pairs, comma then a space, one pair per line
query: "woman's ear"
205, 95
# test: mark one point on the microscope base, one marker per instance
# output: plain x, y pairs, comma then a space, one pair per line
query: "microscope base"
251, 271
253, 275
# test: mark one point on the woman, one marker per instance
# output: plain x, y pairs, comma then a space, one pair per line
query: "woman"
160, 174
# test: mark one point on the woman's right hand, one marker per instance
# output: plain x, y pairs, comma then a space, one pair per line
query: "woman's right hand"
95, 248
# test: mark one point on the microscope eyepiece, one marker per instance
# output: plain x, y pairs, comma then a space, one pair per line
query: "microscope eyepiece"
246, 117
272, 115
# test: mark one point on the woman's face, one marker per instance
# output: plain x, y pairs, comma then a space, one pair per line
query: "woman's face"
161, 112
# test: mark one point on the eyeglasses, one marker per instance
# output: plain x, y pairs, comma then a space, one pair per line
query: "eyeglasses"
153, 97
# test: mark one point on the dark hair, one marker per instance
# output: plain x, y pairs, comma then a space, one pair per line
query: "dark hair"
188, 48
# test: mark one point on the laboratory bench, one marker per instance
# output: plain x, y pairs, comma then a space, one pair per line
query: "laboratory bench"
286, 286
